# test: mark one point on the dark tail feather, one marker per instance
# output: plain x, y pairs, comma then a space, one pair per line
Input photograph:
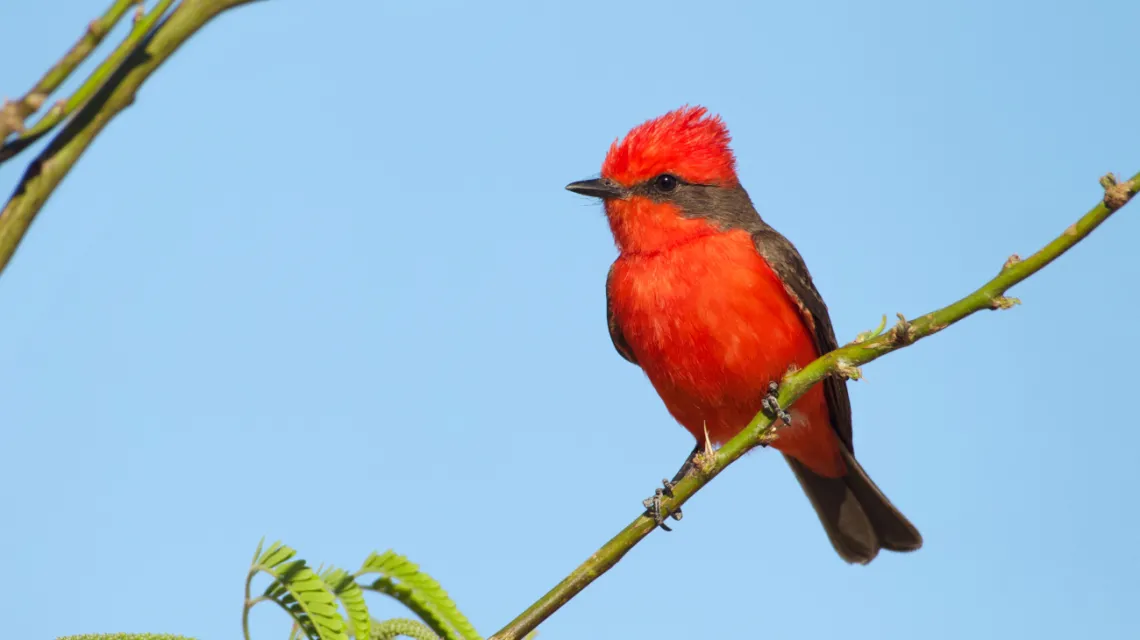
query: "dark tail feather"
858, 518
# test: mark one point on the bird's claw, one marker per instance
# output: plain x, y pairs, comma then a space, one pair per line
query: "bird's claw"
771, 404
654, 509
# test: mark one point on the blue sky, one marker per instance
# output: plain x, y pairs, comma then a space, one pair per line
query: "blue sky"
322, 284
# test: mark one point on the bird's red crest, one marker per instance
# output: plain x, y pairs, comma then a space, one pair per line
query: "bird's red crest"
687, 143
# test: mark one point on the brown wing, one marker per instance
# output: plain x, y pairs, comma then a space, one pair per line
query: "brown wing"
615, 331
857, 516
782, 256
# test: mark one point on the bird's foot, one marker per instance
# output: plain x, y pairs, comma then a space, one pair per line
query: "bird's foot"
654, 508
771, 404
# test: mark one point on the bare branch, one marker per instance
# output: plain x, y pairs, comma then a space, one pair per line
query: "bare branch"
143, 25
149, 48
14, 112
844, 361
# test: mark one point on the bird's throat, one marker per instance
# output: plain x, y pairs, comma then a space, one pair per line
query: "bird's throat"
643, 227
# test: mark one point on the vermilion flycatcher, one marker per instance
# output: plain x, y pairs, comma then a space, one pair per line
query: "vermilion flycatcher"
715, 305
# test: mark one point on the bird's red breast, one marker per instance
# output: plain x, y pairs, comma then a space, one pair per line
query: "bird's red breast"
711, 324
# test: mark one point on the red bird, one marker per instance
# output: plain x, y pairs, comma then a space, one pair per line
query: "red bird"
714, 305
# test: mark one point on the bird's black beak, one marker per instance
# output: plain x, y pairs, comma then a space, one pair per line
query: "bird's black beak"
603, 189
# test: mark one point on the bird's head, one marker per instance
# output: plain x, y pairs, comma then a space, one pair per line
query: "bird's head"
670, 180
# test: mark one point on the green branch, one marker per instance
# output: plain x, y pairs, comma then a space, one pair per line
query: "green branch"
14, 112
843, 362
143, 26
148, 51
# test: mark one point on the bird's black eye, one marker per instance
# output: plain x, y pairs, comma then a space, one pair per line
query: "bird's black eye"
665, 182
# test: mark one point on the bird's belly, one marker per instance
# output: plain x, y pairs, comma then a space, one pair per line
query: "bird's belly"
711, 325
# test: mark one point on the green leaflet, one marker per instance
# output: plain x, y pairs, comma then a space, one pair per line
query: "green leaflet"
301, 593
403, 580
391, 629
351, 596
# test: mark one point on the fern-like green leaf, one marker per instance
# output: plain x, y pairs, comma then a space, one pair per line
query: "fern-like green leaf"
391, 629
344, 587
274, 556
301, 593
403, 580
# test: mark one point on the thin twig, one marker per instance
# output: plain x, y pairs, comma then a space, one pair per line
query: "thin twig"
14, 112
118, 92
845, 362
143, 25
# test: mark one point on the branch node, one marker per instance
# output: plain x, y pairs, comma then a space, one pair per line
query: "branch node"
35, 100
1116, 194
1002, 302
848, 371
1010, 261
95, 29
903, 332
706, 459
11, 117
